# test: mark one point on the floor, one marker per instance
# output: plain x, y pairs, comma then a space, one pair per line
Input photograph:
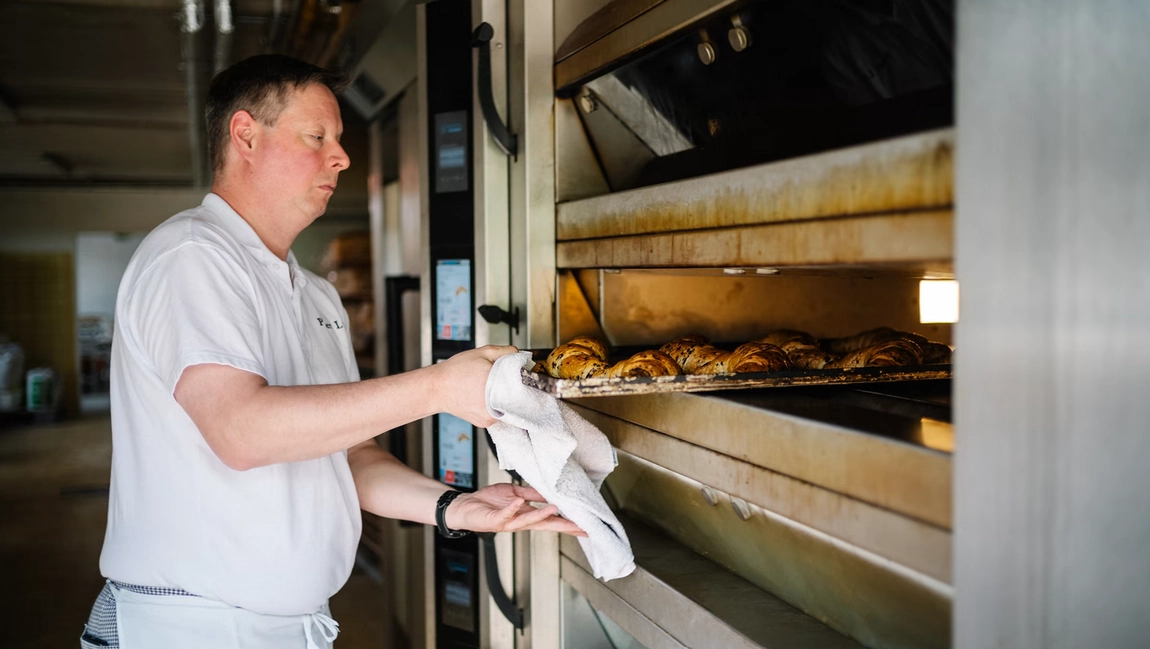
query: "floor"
53, 509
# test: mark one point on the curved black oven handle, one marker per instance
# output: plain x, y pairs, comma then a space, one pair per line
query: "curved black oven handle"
481, 39
513, 613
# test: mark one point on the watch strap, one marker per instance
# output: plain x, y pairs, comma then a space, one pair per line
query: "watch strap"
441, 515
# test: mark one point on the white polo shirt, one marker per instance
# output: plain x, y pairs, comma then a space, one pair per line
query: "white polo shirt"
281, 539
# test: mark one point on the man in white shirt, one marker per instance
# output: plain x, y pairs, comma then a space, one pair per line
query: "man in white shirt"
243, 443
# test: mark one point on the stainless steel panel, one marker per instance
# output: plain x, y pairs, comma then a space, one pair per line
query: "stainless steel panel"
492, 187
904, 237
1052, 522
660, 21
702, 604
917, 545
532, 174
904, 174
904, 478
874, 600
625, 615
577, 171
620, 152
575, 316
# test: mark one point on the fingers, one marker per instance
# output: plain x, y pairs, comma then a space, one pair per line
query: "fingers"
529, 494
495, 352
557, 524
519, 516
508, 513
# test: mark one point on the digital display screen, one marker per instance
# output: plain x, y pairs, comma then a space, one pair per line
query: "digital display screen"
456, 458
451, 152
458, 607
453, 299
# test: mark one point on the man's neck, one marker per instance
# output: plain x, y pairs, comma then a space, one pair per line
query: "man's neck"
275, 233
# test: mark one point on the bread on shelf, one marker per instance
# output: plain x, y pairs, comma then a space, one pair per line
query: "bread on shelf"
802, 349
645, 363
582, 358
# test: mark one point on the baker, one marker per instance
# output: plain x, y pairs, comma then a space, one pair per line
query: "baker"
243, 442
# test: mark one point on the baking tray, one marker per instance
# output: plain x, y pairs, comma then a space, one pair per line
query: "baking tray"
604, 387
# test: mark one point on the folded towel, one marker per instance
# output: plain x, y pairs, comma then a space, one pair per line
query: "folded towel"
563, 456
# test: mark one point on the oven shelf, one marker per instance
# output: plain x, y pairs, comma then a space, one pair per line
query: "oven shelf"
605, 387
887, 203
676, 598
892, 457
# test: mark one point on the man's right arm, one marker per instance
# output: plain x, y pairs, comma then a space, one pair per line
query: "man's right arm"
249, 424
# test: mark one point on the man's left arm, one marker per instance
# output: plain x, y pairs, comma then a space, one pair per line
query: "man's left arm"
390, 488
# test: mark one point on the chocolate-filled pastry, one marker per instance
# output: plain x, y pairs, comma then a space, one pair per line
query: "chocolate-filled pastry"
696, 356
594, 344
802, 349
861, 340
933, 352
680, 349
706, 359
646, 363
891, 352
581, 358
539, 368
757, 357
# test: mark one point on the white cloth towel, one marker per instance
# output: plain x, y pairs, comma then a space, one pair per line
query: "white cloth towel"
563, 456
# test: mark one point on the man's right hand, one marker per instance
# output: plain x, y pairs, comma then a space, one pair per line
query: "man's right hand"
462, 383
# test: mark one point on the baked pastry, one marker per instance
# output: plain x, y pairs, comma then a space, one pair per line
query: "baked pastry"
861, 340
681, 348
928, 350
933, 352
581, 358
890, 352
696, 356
757, 357
802, 349
646, 363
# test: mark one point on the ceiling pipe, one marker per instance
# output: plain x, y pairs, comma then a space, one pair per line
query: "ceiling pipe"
224, 29
191, 22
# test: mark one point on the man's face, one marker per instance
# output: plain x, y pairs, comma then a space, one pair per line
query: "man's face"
300, 157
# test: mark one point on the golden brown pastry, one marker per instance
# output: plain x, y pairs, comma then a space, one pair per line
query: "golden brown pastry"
890, 352
581, 358
646, 363
861, 340
680, 349
594, 344
757, 357
933, 352
697, 356
706, 359
802, 349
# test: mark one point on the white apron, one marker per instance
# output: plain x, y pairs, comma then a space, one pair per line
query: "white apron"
188, 622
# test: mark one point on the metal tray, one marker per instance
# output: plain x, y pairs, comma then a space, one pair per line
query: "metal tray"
603, 387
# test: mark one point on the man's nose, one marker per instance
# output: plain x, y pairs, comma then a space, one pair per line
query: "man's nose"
340, 160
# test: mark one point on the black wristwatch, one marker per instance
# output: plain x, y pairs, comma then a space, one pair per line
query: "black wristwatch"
441, 515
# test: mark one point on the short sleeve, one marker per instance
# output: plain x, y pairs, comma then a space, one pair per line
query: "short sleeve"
195, 305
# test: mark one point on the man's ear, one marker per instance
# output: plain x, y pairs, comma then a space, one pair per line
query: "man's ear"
244, 133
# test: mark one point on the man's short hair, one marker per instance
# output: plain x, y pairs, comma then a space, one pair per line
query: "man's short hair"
261, 85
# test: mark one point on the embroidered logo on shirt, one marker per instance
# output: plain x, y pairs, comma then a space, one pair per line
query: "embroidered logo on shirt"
334, 324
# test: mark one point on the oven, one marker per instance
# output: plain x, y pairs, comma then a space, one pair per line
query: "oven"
646, 169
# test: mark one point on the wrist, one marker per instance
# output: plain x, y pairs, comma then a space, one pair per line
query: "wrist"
447, 517
441, 388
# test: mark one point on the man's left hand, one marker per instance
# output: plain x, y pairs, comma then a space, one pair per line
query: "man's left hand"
505, 508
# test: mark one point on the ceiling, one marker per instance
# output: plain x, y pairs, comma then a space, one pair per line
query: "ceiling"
93, 92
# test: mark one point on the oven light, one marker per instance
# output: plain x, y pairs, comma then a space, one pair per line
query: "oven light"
937, 301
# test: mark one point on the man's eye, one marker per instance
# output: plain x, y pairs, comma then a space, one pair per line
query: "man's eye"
318, 138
